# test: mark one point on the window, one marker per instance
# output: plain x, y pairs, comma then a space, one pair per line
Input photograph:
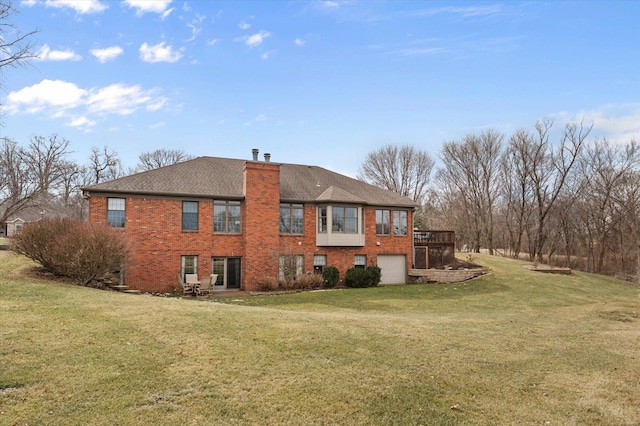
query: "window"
383, 226
189, 215
291, 219
226, 217
319, 262
322, 219
400, 222
115, 212
189, 265
291, 265
344, 219
360, 261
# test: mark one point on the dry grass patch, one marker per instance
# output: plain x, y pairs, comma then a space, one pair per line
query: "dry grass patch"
514, 347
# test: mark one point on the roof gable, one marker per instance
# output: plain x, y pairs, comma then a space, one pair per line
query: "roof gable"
333, 194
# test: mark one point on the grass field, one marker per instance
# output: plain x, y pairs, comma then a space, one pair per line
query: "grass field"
513, 347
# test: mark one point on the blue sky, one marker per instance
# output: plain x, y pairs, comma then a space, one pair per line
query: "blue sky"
318, 82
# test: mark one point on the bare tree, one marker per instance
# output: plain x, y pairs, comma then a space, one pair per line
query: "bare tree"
471, 167
16, 48
405, 170
160, 158
517, 189
550, 170
605, 168
18, 187
27, 174
46, 157
103, 165
547, 169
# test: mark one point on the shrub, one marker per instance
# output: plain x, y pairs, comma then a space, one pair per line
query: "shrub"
72, 248
375, 274
267, 284
303, 282
356, 278
331, 276
37, 240
360, 278
309, 282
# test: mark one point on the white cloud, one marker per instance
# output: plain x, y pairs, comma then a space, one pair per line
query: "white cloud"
299, 42
195, 27
117, 99
244, 25
267, 55
58, 99
464, 11
81, 7
618, 123
46, 54
159, 53
156, 104
423, 51
166, 14
81, 122
259, 118
107, 54
212, 42
255, 39
153, 6
330, 4
55, 95
158, 125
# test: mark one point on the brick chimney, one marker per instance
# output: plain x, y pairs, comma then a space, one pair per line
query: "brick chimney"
261, 228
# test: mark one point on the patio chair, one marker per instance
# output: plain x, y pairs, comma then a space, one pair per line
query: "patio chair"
191, 279
206, 286
186, 288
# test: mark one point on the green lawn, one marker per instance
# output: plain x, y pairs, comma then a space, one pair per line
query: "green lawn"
513, 347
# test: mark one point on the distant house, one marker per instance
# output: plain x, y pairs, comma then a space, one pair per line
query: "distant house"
241, 219
11, 227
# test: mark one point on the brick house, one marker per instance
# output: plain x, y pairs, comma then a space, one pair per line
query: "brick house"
239, 219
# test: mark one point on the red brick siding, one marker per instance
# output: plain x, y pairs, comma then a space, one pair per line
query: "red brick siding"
154, 228
343, 257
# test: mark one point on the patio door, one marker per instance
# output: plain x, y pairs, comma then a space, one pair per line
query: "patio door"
228, 270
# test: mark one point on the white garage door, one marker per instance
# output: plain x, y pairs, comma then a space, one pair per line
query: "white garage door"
393, 268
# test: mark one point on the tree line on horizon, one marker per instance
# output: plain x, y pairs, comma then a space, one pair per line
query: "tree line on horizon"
562, 199
572, 201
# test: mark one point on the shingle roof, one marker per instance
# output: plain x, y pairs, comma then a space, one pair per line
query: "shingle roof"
213, 177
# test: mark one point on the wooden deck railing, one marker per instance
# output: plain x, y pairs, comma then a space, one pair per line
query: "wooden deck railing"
423, 238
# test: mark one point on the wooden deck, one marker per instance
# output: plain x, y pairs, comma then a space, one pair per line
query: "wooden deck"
427, 238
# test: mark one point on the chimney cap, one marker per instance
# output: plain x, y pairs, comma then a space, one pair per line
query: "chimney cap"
267, 157
255, 152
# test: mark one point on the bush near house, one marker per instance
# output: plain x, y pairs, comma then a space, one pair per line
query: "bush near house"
309, 281
79, 250
331, 276
362, 277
